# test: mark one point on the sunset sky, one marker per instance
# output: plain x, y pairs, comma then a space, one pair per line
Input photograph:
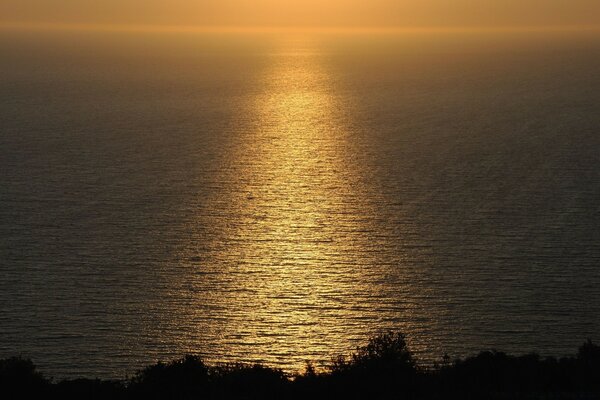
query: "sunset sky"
305, 13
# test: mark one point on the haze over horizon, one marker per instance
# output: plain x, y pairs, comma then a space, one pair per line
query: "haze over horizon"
346, 14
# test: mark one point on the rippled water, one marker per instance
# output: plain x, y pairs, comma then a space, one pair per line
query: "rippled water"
282, 198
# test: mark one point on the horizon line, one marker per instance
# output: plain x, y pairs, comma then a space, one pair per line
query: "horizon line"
162, 28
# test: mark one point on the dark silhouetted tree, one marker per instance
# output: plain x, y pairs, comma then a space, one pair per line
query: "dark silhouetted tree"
181, 379
19, 378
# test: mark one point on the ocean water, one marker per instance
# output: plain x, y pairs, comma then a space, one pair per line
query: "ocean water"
281, 198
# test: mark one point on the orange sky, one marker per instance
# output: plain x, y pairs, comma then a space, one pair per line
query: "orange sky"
306, 13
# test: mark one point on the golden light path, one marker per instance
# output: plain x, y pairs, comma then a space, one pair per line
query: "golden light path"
292, 271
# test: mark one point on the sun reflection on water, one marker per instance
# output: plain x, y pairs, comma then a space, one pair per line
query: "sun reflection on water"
292, 271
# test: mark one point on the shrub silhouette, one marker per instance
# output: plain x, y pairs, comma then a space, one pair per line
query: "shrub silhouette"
387, 352
181, 379
241, 381
495, 372
19, 378
92, 389
588, 360
383, 369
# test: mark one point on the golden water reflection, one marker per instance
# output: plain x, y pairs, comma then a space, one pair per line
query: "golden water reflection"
293, 272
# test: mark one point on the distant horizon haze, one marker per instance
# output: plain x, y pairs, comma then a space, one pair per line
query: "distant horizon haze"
27, 26
306, 14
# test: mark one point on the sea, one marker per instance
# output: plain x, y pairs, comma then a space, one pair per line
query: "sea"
281, 197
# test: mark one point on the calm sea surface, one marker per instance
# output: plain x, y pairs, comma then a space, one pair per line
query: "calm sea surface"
280, 198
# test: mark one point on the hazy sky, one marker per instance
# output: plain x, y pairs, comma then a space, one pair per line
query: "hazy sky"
313, 13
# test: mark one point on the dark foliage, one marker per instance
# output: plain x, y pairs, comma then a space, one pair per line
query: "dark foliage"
180, 379
92, 389
383, 369
239, 381
20, 379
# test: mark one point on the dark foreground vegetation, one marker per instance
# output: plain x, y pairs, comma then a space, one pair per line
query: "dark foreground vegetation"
383, 369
